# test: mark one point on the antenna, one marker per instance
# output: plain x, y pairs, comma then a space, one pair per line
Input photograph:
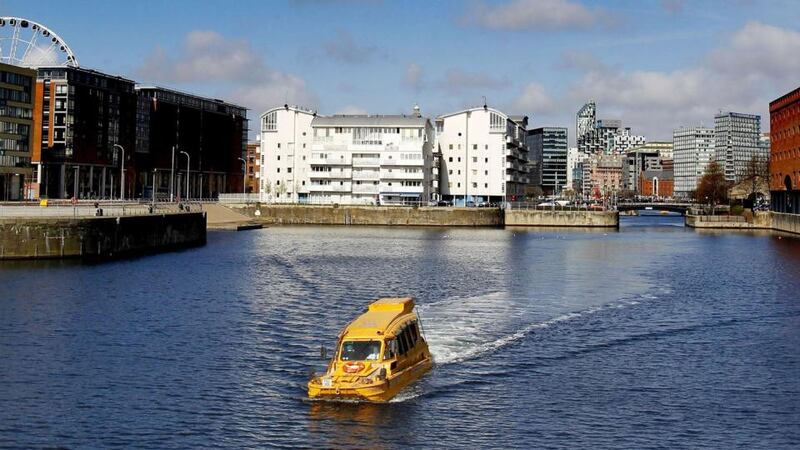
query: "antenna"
484, 102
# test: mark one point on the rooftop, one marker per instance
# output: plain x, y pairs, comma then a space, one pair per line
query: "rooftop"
379, 317
368, 121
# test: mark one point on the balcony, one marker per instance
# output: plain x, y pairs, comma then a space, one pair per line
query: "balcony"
332, 174
366, 188
401, 175
342, 160
366, 162
397, 189
366, 175
402, 162
329, 187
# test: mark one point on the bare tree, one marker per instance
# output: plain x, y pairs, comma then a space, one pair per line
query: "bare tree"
712, 187
756, 173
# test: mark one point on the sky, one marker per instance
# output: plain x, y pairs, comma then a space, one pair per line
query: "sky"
655, 64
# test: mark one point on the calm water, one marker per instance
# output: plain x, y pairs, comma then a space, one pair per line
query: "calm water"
653, 336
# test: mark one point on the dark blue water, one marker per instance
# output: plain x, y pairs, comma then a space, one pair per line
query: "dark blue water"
653, 336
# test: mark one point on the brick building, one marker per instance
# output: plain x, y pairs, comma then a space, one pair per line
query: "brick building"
656, 183
253, 167
784, 165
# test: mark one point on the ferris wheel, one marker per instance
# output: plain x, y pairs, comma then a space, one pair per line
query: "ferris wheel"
26, 43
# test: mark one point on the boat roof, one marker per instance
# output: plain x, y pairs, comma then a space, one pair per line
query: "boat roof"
379, 317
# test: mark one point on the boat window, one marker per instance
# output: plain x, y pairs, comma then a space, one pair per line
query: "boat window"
360, 350
401, 343
391, 349
414, 332
406, 339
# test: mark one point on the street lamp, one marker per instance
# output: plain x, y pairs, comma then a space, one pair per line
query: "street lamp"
153, 191
187, 174
121, 173
172, 175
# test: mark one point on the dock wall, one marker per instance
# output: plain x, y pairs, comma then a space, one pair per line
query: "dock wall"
424, 216
99, 237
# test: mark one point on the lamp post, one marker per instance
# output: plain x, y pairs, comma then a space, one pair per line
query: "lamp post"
172, 175
121, 173
187, 174
244, 178
153, 191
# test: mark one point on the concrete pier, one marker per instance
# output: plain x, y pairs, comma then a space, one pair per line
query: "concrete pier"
762, 220
99, 237
423, 216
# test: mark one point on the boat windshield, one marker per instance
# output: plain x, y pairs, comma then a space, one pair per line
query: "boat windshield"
360, 350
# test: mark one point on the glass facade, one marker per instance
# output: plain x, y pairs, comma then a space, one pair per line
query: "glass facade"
551, 144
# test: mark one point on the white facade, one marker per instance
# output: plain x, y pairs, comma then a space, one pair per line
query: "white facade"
736, 142
285, 154
692, 150
575, 160
483, 156
348, 159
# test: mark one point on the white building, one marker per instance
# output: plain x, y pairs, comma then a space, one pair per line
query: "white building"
575, 160
693, 150
736, 142
347, 159
483, 156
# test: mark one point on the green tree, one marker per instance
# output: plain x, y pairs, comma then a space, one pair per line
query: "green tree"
712, 188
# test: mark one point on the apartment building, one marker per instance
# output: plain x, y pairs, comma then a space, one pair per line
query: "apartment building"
736, 143
347, 159
693, 150
17, 131
484, 156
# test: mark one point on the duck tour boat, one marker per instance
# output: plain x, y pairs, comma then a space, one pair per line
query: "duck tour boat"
378, 354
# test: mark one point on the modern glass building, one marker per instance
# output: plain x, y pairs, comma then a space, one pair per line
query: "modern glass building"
551, 143
16, 131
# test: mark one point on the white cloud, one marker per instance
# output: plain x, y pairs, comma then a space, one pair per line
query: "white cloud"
758, 64
536, 15
231, 67
534, 99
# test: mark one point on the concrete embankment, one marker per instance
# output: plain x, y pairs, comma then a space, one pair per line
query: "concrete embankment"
373, 215
763, 220
99, 237
423, 216
543, 218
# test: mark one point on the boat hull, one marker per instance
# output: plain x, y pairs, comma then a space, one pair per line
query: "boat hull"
379, 392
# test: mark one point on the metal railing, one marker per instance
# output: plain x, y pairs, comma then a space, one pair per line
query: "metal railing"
83, 209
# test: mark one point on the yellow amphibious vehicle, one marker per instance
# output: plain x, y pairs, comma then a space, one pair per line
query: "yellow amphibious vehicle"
378, 354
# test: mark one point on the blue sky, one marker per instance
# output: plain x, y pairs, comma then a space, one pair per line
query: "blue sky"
654, 64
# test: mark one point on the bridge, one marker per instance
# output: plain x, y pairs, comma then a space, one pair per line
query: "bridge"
678, 207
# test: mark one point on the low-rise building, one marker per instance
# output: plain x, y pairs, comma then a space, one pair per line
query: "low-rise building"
605, 175
656, 183
18, 128
484, 156
784, 164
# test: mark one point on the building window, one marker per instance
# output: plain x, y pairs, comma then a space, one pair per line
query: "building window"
450, 159
451, 147
279, 170
474, 146
289, 169
459, 159
271, 122
279, 156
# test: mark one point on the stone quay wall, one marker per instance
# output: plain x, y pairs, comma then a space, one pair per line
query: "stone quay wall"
99, 237
543, 218
762, 220
423, 216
